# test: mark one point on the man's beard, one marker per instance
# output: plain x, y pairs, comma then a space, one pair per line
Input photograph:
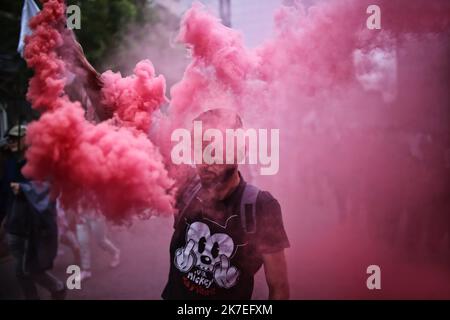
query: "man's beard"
217, 180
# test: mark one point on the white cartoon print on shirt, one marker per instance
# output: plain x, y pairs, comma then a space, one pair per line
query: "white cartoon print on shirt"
206, 257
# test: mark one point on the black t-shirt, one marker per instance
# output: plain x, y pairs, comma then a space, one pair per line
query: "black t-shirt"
218, 259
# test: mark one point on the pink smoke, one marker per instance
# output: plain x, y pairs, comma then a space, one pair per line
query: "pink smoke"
112, 164
221, 65
133, 99
355, 108
350, 103
312, 51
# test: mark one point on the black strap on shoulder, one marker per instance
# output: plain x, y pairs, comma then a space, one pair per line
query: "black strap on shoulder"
248, 208
189, 195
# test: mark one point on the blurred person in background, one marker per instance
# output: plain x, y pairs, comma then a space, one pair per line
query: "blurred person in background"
91, 223
30, 222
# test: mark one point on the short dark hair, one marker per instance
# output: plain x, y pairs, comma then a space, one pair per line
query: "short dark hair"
221, 116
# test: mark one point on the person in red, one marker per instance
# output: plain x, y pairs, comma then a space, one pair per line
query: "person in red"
225, 230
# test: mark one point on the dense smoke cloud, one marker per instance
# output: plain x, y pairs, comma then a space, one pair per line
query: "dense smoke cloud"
363, 117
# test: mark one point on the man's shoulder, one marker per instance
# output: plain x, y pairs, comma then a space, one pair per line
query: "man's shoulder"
270, 234
265, 198
267, 204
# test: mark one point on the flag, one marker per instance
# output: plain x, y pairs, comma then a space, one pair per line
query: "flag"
29, 10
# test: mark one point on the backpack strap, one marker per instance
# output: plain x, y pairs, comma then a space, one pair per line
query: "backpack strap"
189, 195
248, 208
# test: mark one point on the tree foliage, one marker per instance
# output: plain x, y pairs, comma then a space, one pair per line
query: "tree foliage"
102, 25
103, 22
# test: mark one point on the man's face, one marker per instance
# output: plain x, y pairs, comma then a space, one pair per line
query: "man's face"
215, 174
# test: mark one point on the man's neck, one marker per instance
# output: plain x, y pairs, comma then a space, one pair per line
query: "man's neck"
229, 187
211, 210
222, 190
